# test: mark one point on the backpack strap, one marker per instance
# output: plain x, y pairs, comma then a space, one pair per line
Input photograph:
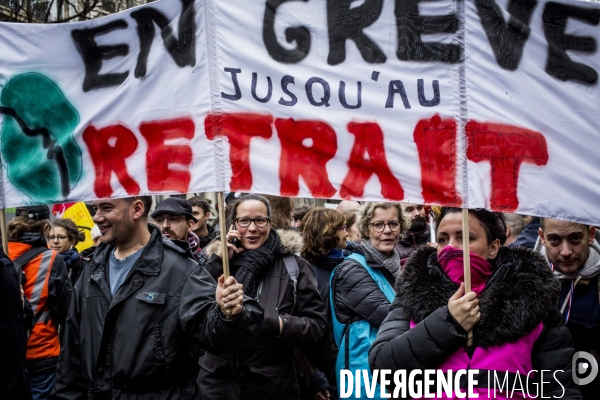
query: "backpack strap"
19, 262
292, 269
291, 265
378, 277
37, 317
24, 258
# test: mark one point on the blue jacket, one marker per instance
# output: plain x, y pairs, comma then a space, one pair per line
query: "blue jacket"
529, 235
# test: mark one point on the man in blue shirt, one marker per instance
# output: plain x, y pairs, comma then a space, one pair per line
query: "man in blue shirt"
142, 311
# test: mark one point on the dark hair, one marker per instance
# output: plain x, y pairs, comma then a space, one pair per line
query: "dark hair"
282, 208
22, 224
73, 232
543, 224
201, 202
493, 223
246, 197
319, 231
147, 200
300, 211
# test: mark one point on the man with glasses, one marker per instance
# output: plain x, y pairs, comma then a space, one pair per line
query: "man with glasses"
175, 219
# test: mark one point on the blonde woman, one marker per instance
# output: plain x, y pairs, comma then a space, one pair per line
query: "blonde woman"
362, 286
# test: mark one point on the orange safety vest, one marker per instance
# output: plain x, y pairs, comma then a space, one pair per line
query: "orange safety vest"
43, 342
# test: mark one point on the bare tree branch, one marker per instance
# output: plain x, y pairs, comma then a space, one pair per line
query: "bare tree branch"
56, 11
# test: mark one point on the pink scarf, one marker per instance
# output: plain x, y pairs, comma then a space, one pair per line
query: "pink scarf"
451, 261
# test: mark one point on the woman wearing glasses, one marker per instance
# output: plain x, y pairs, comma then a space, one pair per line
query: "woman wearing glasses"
263, 367
63, 238
362, 286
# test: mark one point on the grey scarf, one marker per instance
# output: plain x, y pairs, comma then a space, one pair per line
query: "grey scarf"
391, 263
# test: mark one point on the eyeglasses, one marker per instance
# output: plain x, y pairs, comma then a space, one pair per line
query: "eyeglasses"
380, 226
260, 222
342, 228
171, 219
59, 237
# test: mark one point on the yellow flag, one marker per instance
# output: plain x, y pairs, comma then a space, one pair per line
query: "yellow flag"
79, 213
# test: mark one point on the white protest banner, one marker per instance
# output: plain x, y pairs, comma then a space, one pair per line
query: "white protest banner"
488, 110
104, 108
310, 113
532, 92
481, 104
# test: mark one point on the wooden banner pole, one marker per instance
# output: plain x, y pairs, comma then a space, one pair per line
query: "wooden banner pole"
223, 228
432, 227
3, 231
467, 259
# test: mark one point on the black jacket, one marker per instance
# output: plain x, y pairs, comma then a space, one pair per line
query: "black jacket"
265, 368
205, 240
74, 263
356, 294
145, 342
519, 295
14, 380
411, 242
323, 267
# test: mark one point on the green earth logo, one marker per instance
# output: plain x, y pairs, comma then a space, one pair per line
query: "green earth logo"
40, 153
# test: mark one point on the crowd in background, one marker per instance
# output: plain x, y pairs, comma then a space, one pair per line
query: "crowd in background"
147, 313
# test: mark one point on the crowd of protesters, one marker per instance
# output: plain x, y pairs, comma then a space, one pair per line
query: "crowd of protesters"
147, 312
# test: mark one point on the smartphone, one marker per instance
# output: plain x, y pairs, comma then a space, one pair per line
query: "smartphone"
234, 241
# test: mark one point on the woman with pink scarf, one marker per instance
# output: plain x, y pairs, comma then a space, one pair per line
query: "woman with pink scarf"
511, 312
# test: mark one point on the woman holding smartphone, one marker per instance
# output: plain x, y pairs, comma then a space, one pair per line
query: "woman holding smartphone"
294, 317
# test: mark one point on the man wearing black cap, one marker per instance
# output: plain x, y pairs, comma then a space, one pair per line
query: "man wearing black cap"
175, 219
